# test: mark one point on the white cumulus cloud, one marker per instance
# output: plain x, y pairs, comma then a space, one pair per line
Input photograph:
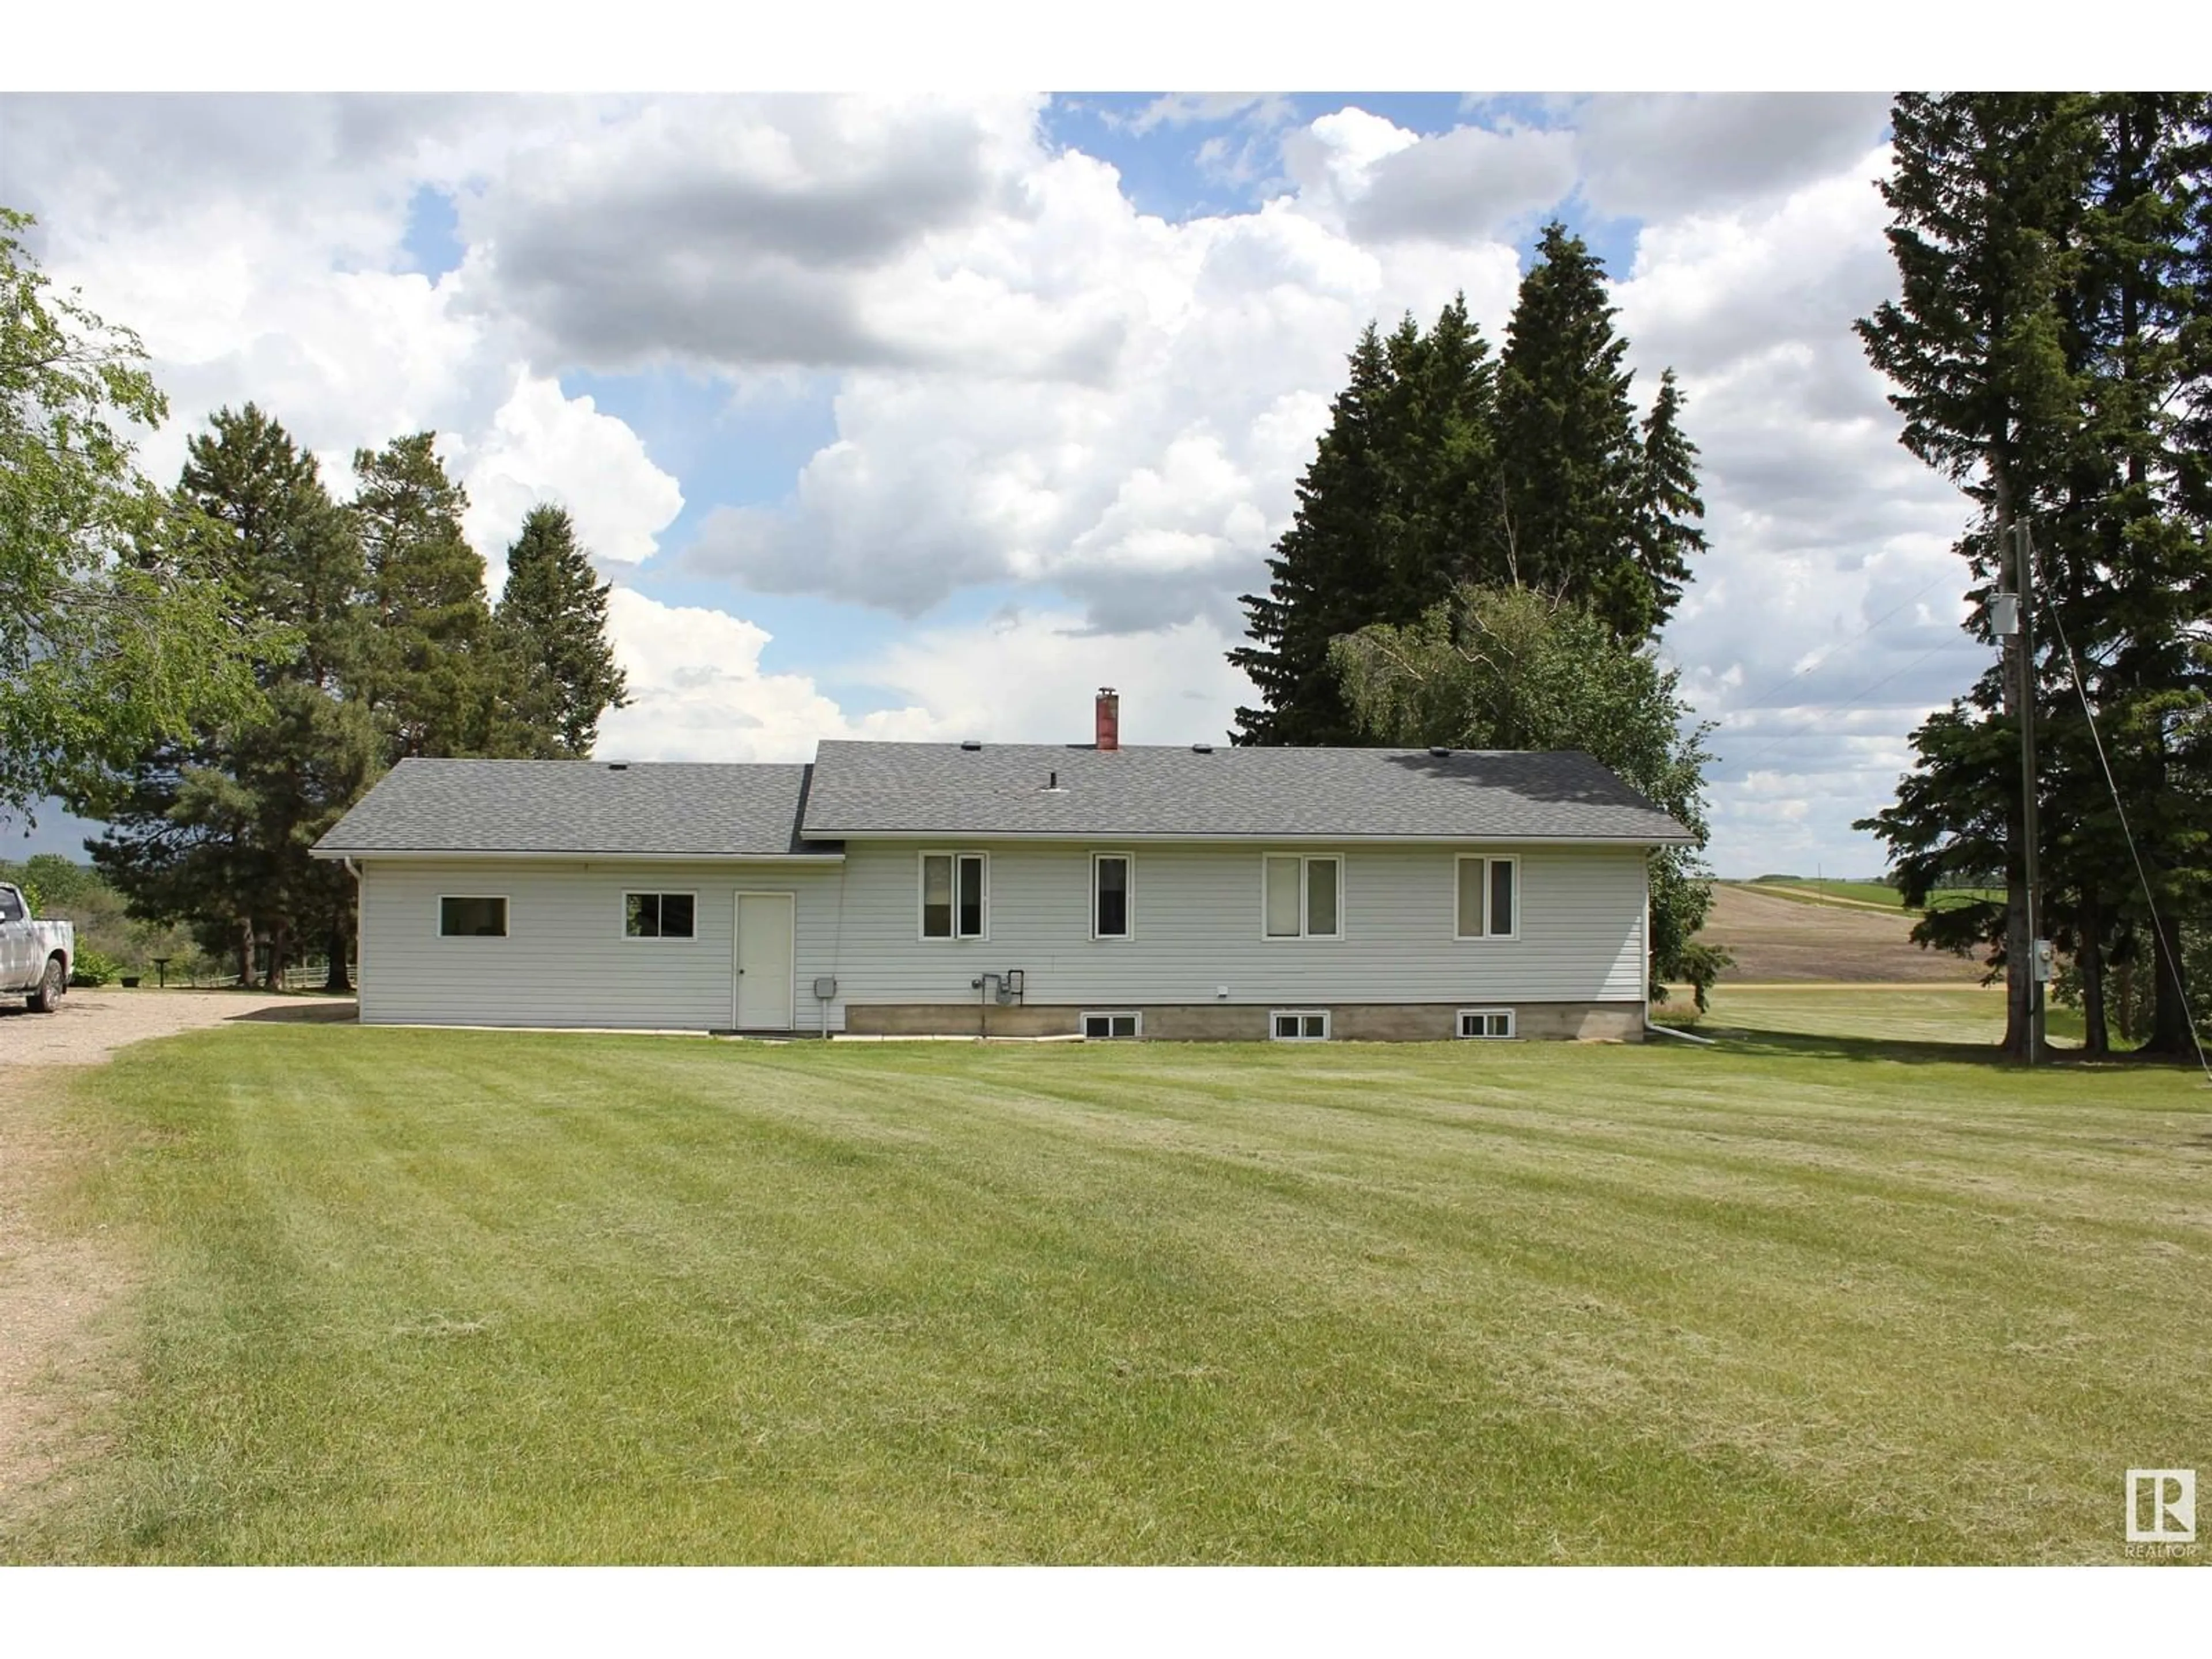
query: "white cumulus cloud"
697, 692
546, 448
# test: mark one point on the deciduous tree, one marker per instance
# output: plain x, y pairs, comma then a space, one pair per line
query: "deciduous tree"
113, 635
1514, 669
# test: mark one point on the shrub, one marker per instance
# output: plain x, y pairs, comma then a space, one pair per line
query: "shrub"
92, 967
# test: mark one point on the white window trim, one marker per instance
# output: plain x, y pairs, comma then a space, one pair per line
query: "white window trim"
921, 892
1303, 858
1459, 1025
1459, 875
1084, 1019
1301, 1014
621, 915
506, 917
1128, 898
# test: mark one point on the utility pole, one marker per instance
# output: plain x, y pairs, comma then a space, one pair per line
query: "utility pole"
2012, 617
2024, 561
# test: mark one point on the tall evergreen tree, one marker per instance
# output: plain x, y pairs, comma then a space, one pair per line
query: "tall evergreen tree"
1384, 523
2039, 349
1670, 510
215, 829
430, 671
551, 622
1443, 466
1570, 488
1324, 567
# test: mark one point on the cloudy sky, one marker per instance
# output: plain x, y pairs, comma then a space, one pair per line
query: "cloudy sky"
923, 416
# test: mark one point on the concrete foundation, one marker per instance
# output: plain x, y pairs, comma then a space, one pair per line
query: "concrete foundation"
1208, 1022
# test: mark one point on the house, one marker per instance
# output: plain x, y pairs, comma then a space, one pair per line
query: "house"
1012, 890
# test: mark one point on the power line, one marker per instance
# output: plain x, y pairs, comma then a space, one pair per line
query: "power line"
1852, 702
1834, 646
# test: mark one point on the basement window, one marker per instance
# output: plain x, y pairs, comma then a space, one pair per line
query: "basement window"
954, 894
472, 918
660, 916
1486, 1022
1298, 1025
1124, 1023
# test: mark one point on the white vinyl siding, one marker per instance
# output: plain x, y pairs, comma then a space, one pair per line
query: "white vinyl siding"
566, 960
566, 964
1489, 898
1199, 930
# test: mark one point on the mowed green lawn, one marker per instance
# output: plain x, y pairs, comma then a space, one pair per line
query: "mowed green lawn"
414, 1295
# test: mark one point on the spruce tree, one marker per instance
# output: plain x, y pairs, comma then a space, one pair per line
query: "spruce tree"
1385, 519
431, 673
1670, 510
2040, 352
1325, 568
1569, 484
551, 623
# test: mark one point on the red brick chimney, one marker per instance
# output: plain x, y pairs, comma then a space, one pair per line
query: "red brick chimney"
1110, 718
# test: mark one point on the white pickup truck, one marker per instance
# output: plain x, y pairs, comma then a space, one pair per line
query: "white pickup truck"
35, 956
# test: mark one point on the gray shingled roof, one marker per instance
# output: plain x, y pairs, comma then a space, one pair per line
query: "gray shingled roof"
999, 789
575, 807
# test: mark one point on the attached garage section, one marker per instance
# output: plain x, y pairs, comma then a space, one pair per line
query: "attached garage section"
663, 897
550, 943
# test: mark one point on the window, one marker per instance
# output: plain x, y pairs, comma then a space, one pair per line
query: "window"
952, 896
1299, 1025
472, 918
1489, 905
11, 907
658, 915
1110, 895
1303, 897
1486, 1022
1116, 1025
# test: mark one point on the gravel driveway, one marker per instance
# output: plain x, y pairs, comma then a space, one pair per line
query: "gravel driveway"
90, 1026
59, 1357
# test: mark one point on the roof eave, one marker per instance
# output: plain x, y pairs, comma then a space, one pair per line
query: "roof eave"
1239, 837
571, 856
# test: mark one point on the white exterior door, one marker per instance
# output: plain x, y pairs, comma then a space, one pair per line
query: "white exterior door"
765, 936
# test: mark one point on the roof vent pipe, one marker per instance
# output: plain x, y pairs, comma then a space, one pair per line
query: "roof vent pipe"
1110, 718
